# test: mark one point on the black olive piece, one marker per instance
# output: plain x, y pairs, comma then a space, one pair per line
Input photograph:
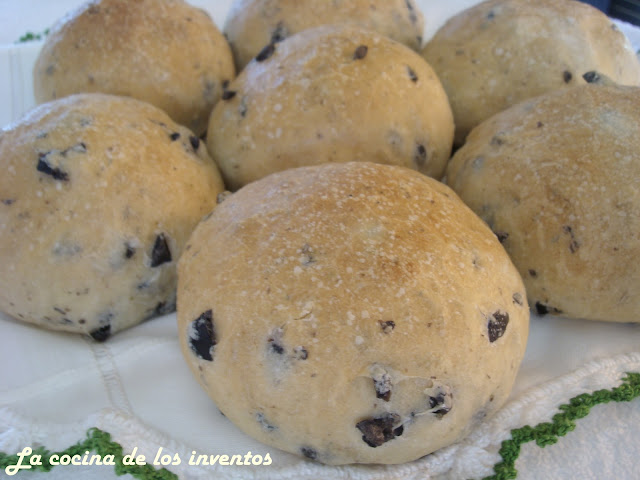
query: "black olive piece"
382, 384
162, 308
301, 353
497, 325
381, 392
517, 298
360, 52
228, 94
160, 253
260, 418
420, 156
502, 236
591, 77
266, 53
439, 401
379, 430
309, 453
567, 76
542, 309
276, 348
388, 326
202, 337
102, 333
573, 245
44, 167
129, 251
412, 74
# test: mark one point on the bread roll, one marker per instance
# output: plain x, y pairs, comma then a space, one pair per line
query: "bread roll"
164, 52
253, 24
556, 178
98, 198
351, 313
331, 94
500, 52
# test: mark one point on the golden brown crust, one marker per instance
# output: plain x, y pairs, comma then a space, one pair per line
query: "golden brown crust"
331, 94
556, 178
165, 52
500, 52
349, 293
99, 196
253, 24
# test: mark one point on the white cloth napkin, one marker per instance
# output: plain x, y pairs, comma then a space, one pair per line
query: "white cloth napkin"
136, 386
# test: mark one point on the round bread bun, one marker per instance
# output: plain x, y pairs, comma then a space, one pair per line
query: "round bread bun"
556, 178
331, 94
351, 313
253, 24
501, 52
164, 52
99, 196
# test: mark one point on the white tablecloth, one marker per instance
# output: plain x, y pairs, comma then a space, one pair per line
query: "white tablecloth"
136, 386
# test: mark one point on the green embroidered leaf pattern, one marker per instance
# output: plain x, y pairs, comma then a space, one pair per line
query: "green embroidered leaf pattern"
562, 423
30, 36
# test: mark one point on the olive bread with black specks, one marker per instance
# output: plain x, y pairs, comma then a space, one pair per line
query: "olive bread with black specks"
556, 178
351, 313
98, 198
331, 94
501, 52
